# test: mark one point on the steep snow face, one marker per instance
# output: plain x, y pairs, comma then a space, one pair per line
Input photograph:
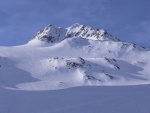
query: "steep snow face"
76, 56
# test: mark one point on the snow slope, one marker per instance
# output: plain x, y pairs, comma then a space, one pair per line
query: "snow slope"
104, 99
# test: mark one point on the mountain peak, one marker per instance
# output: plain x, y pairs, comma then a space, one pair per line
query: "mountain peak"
76, 25
87, 32
52, 34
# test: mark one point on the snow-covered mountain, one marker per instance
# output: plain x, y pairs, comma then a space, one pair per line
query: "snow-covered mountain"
79, 55
59, 58
51, 34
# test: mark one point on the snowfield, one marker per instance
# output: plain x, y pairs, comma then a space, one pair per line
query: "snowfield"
34, 76
104, 99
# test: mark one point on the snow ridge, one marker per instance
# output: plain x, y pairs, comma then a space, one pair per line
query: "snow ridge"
77, 30
52, 34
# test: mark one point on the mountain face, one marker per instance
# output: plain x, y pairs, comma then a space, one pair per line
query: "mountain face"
79, 55
52, 34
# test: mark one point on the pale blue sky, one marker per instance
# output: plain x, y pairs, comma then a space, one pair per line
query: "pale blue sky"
129, 20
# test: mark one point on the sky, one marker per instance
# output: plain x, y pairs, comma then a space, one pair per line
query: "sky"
128, 20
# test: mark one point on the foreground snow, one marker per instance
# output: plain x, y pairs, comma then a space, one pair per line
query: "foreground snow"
104, 99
